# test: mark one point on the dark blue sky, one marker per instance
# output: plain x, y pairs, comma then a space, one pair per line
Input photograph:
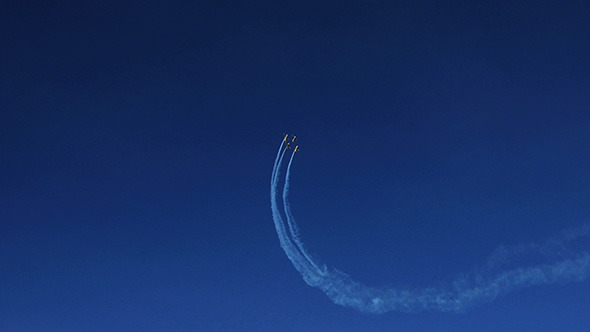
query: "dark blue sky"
137, 142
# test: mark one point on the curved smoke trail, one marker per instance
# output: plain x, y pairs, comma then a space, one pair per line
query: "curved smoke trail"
293, 229
562, 258
293, 253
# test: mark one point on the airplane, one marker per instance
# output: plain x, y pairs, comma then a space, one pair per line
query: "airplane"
288, 146
294, 139
286, 137
296, 148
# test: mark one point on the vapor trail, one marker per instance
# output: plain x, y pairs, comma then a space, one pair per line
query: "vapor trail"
277, 162
297, 259
563, 258
293, 228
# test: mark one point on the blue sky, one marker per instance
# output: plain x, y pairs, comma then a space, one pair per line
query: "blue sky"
138, 138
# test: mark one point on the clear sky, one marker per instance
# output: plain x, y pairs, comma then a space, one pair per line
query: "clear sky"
137, 141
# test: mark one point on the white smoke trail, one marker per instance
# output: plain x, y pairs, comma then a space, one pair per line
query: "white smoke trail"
297, 259
563, 258
293, 228
276, 165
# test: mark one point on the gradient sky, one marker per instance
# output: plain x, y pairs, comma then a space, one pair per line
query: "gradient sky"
137, 141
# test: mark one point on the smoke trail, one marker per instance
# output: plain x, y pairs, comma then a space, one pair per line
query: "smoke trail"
297, 259
277, 162
563, 258
293, 228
